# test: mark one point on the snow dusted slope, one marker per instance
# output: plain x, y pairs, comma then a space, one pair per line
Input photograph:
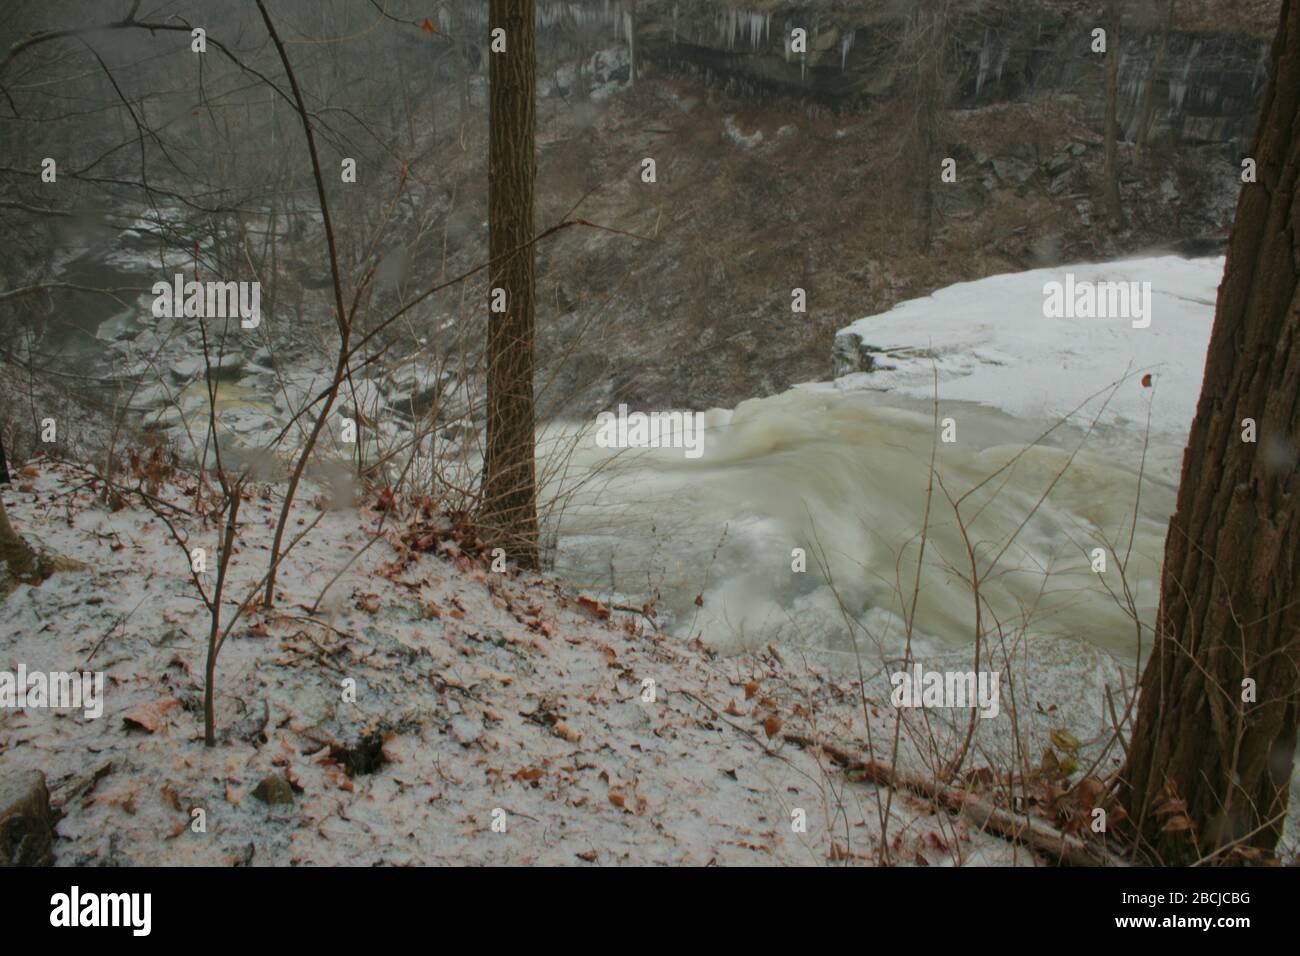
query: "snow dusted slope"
479, 698
993, 344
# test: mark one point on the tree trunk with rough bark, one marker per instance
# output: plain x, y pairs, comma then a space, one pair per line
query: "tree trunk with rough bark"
508, 508
16, 554
1209, 764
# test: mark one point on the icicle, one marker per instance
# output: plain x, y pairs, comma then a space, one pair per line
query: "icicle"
846, 44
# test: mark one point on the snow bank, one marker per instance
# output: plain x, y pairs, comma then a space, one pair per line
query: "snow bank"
992, 344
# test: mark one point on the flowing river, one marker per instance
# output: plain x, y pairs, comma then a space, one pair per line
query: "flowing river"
844, 476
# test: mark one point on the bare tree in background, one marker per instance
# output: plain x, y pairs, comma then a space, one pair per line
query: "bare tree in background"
629, 31
1146, 115
508, 508
1209, 764
925, 52
1110, 184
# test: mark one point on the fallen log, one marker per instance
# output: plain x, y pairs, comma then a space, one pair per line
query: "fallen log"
1017, 827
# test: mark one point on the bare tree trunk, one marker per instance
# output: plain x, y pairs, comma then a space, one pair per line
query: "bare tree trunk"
1209, 764
508, 508
1146, 116
214, 631
926, 49
629, 27
16, 554
343, 315
1114, 206
461, 41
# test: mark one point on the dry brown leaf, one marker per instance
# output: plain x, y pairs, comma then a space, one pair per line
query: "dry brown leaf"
565, 731
171, 796
593, 607
150, 716
124, 797
1170, 805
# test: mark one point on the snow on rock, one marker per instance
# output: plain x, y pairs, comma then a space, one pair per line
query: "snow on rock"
479, 697
991, 343
223, 366
738, 136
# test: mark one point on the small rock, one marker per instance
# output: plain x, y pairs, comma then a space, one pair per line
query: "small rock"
26, 821
1059, 164
225, 367
274, 790
1013, 170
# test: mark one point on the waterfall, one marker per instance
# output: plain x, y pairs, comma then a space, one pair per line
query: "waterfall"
843, 475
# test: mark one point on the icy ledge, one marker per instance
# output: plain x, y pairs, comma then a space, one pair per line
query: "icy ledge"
992, 343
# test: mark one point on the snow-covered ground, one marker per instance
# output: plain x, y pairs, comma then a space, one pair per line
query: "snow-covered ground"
478, 696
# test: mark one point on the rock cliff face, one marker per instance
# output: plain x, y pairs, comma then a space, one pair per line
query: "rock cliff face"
780, 170
1205, 88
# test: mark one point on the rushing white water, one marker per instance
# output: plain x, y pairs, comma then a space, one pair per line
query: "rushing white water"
842, 471
844, 476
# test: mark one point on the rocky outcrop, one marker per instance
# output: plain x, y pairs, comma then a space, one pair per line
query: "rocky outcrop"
1204, 91
26, 821
852, 353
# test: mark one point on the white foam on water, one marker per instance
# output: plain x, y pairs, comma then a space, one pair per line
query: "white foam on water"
841, 470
